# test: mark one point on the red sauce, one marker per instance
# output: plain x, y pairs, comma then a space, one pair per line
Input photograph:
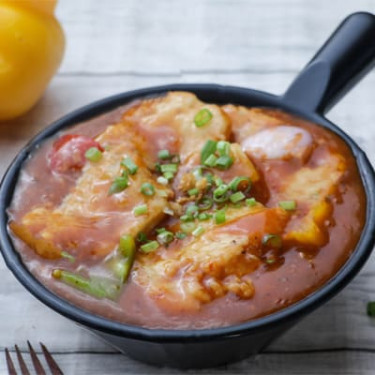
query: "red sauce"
297, 272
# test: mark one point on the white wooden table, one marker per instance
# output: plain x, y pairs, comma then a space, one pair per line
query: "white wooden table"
119, 45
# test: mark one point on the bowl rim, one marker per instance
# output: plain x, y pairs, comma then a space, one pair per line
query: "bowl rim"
98, 323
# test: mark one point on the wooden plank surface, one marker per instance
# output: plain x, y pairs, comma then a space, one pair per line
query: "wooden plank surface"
116, 46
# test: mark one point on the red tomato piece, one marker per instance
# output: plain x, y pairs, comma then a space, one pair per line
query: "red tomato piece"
68, 152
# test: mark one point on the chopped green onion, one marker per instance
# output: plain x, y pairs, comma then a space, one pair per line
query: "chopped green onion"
251, 202
223, 148
205, 204
208, 149
157, 167
240, 183
96, 287
162, 180
129, 165
187, 227
119, 184
160, 230
371, 309
202, 117
186, 218
203, 216
218, 181
180, 235
140, 210
209, 177
164, 155
237, 197
142, 237
168, 175
197, 173
192, 192
127, 245
93, 154
147, 189
224, 162
210, 161
171, 168
150, 246
197, 232
165, 237
191, 210
270, 260
273, 240
288, 205
219, 217
68, 256
220, 193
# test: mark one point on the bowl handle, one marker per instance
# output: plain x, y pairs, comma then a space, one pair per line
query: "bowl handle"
340, 63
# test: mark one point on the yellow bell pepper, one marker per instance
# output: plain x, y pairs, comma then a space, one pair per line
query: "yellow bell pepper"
31, 49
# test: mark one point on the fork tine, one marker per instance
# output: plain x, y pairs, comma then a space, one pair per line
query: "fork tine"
37, 365
55, 369
11, 369
21, 361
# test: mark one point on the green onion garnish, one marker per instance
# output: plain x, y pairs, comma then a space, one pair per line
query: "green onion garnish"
140, 210
192, 192
162, 180
208, 149
197, 173
251, 202
205, 204
164, 155
273, 240
240, 184
168, 175
119, 184
129, 165
223, 148
150, 246
210, 161
288, 205
237, 197
127, 245
93, 154
142, 237
171, 168
224, 162
203, 216
191, 210
186, 218
165, 237
202, 117
187, 227
180, 235
219, 217
147, 189
371, 309
220, 194
198, 231
66, 255
218, 181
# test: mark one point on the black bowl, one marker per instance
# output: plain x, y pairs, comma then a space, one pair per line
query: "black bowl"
212, 347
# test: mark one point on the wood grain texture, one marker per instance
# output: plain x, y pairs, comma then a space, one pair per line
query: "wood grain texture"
115, 46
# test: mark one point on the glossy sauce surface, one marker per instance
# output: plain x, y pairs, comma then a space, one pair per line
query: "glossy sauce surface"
296, 270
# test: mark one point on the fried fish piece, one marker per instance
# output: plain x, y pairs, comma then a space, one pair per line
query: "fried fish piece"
208, 267
89, 221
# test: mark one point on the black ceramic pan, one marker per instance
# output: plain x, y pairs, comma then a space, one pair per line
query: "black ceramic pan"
339, 64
